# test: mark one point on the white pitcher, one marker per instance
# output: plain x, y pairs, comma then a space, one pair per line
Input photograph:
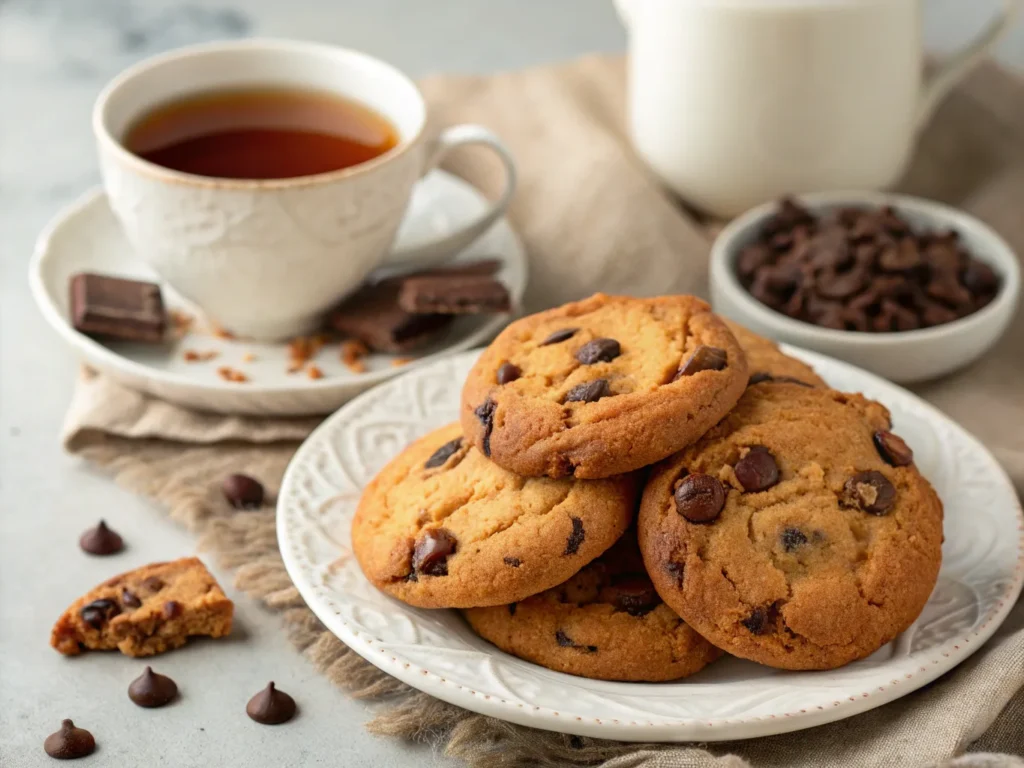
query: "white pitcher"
735, 102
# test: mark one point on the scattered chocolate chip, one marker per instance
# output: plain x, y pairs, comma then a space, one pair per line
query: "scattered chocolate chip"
598, 351
576, 537
151, 689
172, 609
676, 571
699, 498
757, 471
442, 454
271, 706
485, 412
129, 598
792, 538
703, 358
893, 449
507, 372
635, 595
69, 743
153, 583
870, 491
430, 555
588, 392
759, 621
101, 540
567, 642
512, 609
514, 562
242, 492
99, 612
559, 336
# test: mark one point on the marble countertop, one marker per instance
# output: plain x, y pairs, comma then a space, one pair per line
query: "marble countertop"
54, 57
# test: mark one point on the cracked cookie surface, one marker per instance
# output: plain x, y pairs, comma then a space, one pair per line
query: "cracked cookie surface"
796, 533
766, 361
441, 526
607, 622
602, 386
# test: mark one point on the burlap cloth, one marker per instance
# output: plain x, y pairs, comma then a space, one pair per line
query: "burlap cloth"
593, 219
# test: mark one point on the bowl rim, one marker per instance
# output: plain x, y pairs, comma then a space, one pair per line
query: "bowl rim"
997, 253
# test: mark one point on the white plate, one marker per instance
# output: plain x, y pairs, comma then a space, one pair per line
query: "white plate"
435, 651
86, 237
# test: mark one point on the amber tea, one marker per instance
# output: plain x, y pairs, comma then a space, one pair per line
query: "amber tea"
261, 133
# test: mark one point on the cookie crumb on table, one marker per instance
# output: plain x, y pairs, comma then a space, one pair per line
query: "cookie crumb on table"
195, 356
231, 374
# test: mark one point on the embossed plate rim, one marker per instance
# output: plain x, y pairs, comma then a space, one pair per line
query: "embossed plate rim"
852, 690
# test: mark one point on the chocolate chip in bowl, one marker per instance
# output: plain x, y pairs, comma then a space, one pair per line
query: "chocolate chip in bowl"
907, 288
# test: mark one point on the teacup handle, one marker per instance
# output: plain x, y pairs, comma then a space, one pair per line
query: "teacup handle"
957, 65
423, 254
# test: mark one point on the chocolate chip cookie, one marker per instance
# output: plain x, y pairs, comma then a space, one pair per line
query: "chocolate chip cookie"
797, 533
602, 386
441, 526
606, 622
766, 362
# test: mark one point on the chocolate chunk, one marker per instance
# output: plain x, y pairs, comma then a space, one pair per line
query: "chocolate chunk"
588, 392
242, 491
485, 413
129, 598
99, 612
757, 471
598, 351
513, 562
101, 540
153, 583
759, 622
635, 595
676, 571
576, 537
69, 743
430, 555
442, 454
870, 491
704, 358
113, 308
271, 706
893, 449
567, 642
507, 372
151, 689
792, 538
559, 336
453, 295
172, 609
699, 498
372, 315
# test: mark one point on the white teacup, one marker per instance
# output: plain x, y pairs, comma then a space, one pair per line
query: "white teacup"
266, 258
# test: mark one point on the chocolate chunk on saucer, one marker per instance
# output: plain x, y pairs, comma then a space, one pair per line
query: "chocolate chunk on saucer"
114, 308
454, 295
372, 315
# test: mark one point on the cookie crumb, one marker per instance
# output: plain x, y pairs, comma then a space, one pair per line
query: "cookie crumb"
398, 362
231, 374
302, 349
314, 372
195, 356
181, 322
249, 357
352, 353
221, 333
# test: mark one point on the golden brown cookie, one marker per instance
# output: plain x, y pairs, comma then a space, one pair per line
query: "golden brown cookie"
443, 527
765, 361
796, 533
606, 622
150, 610
602, 386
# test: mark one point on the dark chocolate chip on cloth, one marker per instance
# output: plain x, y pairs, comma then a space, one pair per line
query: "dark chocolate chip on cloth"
757, 531
606, 622
602, 386
441, 526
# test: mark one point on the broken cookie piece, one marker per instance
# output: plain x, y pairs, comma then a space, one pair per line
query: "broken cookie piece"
150, 610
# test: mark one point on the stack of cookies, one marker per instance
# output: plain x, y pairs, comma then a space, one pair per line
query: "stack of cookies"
636, 486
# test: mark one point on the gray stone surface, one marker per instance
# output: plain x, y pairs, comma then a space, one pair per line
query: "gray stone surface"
54, 56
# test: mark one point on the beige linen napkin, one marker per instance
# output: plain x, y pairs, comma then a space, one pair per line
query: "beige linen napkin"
593, 219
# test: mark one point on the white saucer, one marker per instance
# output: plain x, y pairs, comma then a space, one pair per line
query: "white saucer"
435, 651
85, 237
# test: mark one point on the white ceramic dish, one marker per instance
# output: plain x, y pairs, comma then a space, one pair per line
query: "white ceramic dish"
903, 357
86, 237
435, 651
